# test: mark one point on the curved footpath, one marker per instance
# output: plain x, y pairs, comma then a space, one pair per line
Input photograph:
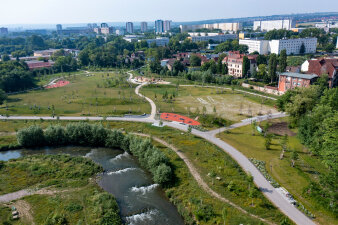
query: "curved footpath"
268, 190
199, 179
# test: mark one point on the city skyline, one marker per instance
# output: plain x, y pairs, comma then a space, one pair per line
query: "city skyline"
84, 11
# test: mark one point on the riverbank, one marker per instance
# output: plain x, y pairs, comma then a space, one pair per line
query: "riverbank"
55, 188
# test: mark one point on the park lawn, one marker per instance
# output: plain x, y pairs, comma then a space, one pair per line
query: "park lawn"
207, 158
190, 101
293, 179
189, 197
85, 95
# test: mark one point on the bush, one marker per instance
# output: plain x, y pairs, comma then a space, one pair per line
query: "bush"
55, 135
31, 137
114, 139
162, 174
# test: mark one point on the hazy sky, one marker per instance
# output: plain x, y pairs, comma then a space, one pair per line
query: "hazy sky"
83, 11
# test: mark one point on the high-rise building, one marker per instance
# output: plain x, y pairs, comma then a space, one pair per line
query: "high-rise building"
104, 25
3, 31
144, 27
58, 27
159, 26
166, 25
129, 27
267, 25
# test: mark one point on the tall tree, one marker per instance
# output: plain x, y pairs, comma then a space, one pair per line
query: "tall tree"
272, 67
195, 60
245, 66
302, 49
282, 61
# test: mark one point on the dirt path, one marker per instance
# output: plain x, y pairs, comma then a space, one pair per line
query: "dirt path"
199, 179
25, 211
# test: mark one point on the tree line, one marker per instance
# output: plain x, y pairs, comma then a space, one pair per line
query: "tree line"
314, 111
86, 134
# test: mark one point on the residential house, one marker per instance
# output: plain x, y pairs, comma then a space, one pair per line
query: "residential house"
290, 80
234, 61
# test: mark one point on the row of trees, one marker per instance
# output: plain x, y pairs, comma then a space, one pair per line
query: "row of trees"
314, 111
85, 134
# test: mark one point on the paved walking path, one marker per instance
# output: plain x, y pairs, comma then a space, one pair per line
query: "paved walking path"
276, 198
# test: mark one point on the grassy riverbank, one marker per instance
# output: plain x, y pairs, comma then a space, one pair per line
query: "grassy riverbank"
66, 192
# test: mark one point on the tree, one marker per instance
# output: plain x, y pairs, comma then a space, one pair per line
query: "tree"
329, 47
261, 74
268, 140
195, 60
162, 174
5, 58
302, 49
3, 96
31, 137
272, 67
177, 67
282, 61
245, 66
294, 157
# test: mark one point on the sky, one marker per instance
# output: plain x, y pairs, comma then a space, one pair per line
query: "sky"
85, 11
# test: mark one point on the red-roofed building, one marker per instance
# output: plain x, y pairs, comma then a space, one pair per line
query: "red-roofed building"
35, 64
234, 61
327, 66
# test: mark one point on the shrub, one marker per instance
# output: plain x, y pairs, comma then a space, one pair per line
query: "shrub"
162, 174
31, 137
55, 135
114, 139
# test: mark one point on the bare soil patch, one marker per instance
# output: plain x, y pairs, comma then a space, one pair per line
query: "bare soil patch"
281, 128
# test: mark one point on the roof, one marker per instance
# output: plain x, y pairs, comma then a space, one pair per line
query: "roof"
323, 66
299, 75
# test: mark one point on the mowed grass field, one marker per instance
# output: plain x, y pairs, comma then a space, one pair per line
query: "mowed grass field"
86, 95
190, 100
294, 179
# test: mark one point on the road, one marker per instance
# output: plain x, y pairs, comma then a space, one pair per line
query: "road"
267, 189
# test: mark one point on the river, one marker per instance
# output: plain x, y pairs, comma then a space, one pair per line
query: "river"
140, 200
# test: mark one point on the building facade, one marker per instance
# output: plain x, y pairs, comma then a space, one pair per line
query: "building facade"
234, 61
222, 26
268, 25
289, 81
58, 28
107, 30
216, 38
144, 27
160, 41
166, 25
159, 26
129, 27
292, 46
254, 45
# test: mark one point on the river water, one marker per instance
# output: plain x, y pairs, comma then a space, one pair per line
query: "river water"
140, 200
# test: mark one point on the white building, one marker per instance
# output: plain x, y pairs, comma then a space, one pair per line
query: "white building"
159, 26
129, 27
222, 26
217, 38
268, 25
160, 41
166, 25
144, 27
254, 45
292, 46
